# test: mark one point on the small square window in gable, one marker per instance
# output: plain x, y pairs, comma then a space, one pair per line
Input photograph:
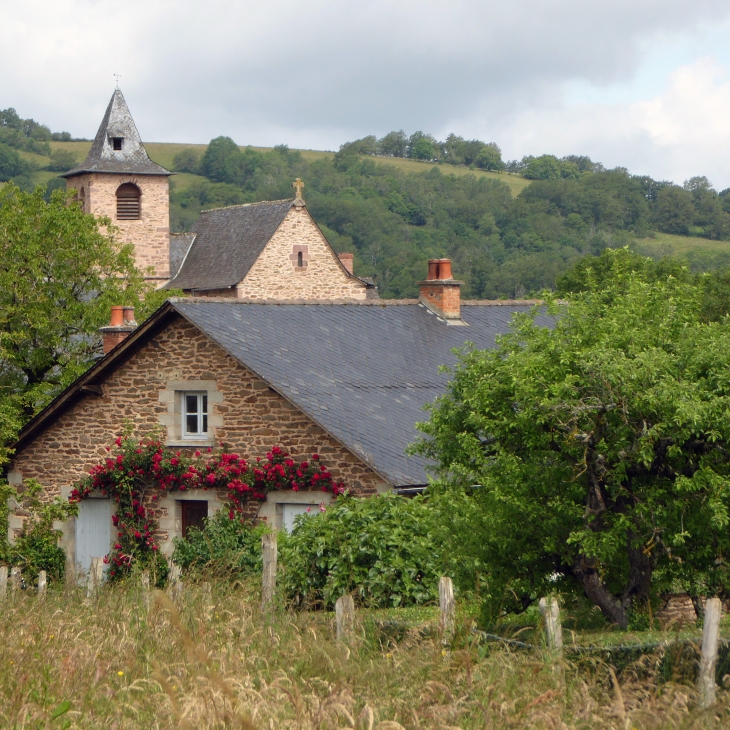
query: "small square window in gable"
299, 256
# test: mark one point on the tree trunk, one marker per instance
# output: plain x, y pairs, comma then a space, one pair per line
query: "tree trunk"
612, 608
641, 567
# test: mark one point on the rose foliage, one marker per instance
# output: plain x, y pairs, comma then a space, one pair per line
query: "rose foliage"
600, 446
136, 473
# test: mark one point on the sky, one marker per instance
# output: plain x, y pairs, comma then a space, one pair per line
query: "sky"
641, 84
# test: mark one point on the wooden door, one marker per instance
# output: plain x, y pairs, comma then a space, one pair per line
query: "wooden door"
193, 515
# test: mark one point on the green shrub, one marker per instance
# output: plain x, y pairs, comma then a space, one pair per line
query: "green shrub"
36, 548
381, 549
224, 546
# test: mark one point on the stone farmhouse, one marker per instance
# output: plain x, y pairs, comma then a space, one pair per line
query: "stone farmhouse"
276, 342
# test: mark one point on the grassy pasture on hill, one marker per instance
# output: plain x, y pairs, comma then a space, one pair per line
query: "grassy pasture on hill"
211, 660
163, 153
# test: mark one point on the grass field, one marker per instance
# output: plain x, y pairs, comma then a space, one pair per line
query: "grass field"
668, 244
211, 660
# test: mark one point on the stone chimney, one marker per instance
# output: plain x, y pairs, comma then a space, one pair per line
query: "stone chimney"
441, 292
119, 328
348, 261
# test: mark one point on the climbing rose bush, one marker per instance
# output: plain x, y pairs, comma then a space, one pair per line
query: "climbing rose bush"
134, 468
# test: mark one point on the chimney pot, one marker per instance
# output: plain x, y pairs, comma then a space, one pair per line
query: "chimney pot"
120, 326
117, 318
348, 261
445, 269
441, 292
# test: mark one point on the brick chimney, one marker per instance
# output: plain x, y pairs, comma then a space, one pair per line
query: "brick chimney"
441, 292
119, 328
347, 260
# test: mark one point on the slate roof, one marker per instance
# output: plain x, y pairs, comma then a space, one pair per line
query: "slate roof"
363, 371
131, 159
179, 246
227, 243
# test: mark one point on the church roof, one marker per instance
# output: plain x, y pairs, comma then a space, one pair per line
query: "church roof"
227, 243
132, 158
361, 370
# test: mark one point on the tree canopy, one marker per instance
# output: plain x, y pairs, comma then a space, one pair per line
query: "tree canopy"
600, 445
60, 272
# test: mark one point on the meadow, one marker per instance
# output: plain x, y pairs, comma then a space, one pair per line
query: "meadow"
209, 659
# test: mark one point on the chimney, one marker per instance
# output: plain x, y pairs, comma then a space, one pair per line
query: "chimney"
119, 328
441, 292
347, 260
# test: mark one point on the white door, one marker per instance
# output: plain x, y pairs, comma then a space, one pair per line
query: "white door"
290, 511
93, 530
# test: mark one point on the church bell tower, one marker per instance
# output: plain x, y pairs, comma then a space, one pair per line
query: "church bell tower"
118, 180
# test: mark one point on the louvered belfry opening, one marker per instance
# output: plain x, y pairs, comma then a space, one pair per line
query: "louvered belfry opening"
128, 208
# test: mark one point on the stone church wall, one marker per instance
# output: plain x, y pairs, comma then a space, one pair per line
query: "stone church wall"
276, 274
151, 234
253, 417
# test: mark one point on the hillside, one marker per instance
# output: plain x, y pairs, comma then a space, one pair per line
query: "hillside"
508, 235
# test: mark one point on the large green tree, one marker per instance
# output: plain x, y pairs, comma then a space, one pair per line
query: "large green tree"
600, 446
60, 272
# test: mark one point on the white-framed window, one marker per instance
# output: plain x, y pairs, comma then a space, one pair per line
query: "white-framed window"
194, 413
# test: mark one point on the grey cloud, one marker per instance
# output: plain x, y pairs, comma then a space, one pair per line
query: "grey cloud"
317, 73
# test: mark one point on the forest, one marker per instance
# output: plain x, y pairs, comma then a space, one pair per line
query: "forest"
459, 202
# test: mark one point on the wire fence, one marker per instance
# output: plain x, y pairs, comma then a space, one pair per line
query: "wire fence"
674, 660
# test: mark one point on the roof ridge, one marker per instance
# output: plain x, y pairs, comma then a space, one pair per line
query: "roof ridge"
298, 302
247, 205
355, 302
499, 302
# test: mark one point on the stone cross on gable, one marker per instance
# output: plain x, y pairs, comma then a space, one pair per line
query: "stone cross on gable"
298, 185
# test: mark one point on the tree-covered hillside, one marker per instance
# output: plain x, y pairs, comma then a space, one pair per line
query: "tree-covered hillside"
502, 246
511, 227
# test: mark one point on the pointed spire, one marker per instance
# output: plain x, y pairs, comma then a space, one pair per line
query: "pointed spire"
117, 146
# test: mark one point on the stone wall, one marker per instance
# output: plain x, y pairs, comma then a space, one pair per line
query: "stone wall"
252, 418
276, 274
151, 234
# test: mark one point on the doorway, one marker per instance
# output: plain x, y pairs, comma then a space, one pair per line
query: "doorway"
194, 513
93, 530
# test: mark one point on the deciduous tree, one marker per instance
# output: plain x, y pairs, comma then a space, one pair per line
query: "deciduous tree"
600, 446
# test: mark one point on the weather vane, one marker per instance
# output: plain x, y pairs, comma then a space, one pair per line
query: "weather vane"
117, 77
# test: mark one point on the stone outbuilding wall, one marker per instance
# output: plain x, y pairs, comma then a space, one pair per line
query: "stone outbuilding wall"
278, 275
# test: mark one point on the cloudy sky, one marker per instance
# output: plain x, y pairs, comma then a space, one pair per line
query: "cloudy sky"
644, 84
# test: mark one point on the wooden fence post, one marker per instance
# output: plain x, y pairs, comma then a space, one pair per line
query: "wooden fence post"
448, 610
268, 577
3, 581
15, 577
175, 578
345, 617
710, 633
96, 575
144, 580
41, 584
551, 613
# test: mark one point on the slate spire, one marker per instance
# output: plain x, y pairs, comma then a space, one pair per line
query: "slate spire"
117, 147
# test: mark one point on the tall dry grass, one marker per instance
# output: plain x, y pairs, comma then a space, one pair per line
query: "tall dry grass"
211, 660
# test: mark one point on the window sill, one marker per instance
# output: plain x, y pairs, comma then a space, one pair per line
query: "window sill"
195, 443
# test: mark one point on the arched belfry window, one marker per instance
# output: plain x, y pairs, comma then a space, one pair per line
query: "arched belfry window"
128, 208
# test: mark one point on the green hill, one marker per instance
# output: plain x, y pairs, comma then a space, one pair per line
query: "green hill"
507, 235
